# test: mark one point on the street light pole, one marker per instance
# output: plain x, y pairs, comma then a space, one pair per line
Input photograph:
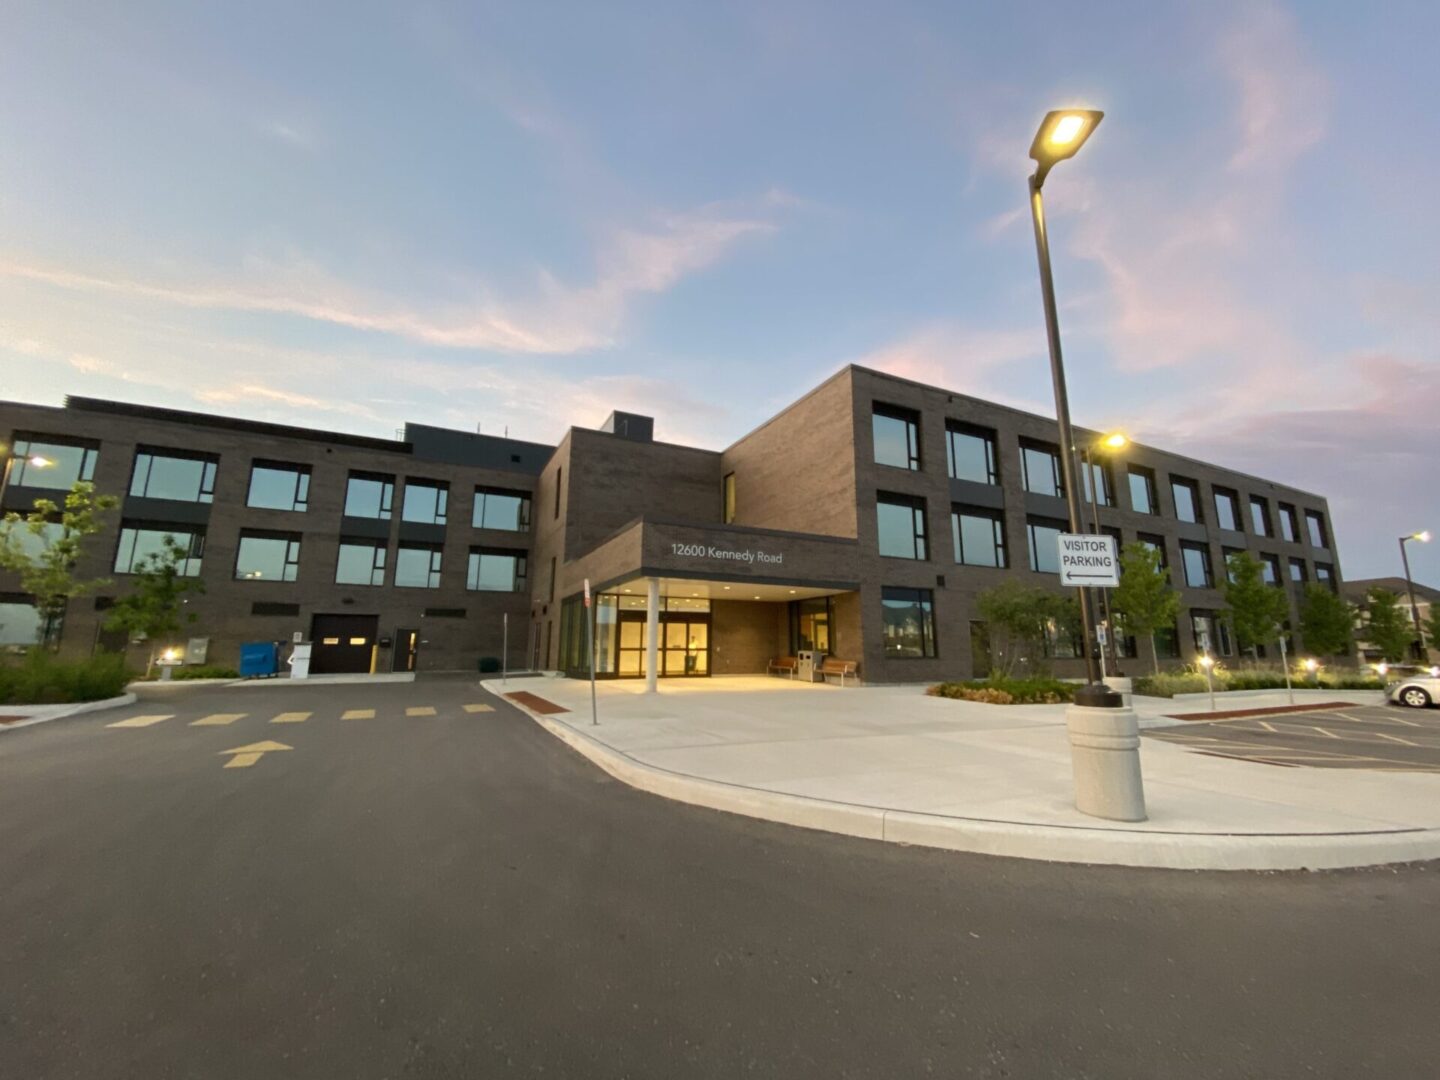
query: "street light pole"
1423, 537
1110, 643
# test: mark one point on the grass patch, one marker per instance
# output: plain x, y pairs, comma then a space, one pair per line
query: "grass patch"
1004, 691
43, 679
205, 671
1190, 681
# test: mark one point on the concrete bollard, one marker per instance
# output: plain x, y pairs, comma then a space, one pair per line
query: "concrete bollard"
1122, 685
1105, 756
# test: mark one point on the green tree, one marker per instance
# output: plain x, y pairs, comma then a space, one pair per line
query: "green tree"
152, 609
1432, 631
1018, 617
1256, 610
43, 547
1326, 622
1387, 625
1144, 601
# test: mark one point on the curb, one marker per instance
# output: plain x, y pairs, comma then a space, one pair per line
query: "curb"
1016, 840
71, 710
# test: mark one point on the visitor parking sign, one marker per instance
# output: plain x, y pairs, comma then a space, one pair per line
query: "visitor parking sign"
1088, 561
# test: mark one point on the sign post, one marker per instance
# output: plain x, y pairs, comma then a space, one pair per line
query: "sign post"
590, 650
1088, 561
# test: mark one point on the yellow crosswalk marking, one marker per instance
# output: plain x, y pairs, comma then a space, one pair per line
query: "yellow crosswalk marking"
358, 714
479, 708
141, 721
218, 719
291, 718
420, 710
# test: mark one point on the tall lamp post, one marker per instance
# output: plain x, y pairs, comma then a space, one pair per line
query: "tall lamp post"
1104, 734
1114, 441
1424, 538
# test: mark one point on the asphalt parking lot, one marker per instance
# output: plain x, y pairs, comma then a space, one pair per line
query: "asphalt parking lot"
1387, 738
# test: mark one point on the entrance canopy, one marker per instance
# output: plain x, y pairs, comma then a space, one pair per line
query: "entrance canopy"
677, 590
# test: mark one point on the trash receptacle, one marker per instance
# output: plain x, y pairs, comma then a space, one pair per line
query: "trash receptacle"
259, 659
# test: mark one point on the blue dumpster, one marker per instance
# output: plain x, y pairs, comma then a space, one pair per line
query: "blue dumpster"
259, 658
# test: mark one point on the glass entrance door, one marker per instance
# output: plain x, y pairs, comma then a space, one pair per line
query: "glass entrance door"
687, 645
630, 662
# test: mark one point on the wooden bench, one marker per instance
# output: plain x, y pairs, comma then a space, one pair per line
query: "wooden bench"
784, 663
831, 666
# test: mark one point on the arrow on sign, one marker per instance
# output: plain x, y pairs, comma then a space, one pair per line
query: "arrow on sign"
245, 756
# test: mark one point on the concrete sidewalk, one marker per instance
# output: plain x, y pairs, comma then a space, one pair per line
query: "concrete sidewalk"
890, 763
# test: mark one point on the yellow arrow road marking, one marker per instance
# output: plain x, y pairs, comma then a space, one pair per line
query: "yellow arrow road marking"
479, 708
245, 756
420, 710
291, 718
218, 719
141, 721
358, 714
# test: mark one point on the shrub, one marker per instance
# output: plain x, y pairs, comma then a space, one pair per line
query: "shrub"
205, 671
1006, 691
1254, 680
1170, 683
43, 679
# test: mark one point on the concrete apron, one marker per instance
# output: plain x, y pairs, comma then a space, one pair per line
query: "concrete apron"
1105, 753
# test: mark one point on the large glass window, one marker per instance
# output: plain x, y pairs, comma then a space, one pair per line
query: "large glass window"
970, 453
369, 495
1196, 557
1143, 497
1211, 633
1155, 543
1297, 571
979, 536
909, 622
277, 486
20, 622
495, 571
1325, 575
1260, 516
810, 622
1167, 643
901, 521
1227, 509
496, 508
170, 474
267, 556
41, 462
1315, 525
1097, 478
1289, 524
1187, 499
417, 566
425, 502
897, 437
1043, 536
139, 542
360, 562
1271, 563
1040, 466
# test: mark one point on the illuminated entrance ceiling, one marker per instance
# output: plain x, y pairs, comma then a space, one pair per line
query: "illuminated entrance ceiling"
684, 588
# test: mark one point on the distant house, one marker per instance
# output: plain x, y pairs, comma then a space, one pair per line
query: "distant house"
1356, 592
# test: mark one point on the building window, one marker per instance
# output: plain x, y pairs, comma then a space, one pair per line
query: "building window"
1040, 470
417, 566
979, 536
727, 498
970, 453
1043, 535
1167, 643
20, 621
1225, 555
1271, 569
1227, 510
425, 502
559, 484
1315, 525
1060, 642
909, 622
810, 622
496, 508
1325, 575
139, 542
901, 521
1297, 571
369, 495
1289, 524
1197, 564
276, 486
1097, 479
1260, 516
361, 562
174, 475
897, 436
1155, 543
1211, 633
492, 570
267, 556
39, 461
1143, 498
1187, 499
554, 568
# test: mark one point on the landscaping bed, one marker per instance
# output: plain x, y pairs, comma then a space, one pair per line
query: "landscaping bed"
43, 679
1006, 691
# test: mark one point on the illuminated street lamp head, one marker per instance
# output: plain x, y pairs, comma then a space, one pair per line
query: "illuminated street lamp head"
1116, 440
1061, 134
1423, 537
1311, 664
1207, 662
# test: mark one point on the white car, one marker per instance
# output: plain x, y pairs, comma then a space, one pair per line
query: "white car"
1419, 690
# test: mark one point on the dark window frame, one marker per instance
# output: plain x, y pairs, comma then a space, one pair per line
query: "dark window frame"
379, 556
1193, 487
919, 526
441, 504
1315, 523
1289, 523
997, 522
482, 494
1145, 474
432, 573
911, 419
23, 448
988, 436
1203, 550
209, 469
1032, 522
520, 568
300, 501
1057, 471
195, 550
1260, 520
1227, 496
924, 599
290, 568
386, 508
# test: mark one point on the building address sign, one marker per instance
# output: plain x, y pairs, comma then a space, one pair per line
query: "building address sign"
748, 556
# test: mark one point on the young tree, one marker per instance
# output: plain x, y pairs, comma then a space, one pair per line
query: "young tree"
1017, 617
153, 607
1255, 609
44, 546
1387, 625
1144, 601
1326, 622
1432, 631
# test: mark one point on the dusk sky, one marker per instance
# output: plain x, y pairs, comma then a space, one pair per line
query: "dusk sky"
526, 215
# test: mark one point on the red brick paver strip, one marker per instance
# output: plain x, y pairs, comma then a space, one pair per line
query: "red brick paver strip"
539, 704
1269, 711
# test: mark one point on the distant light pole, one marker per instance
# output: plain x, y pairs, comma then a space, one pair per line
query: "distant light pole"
1061, 134
1424, 538
1114, 441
